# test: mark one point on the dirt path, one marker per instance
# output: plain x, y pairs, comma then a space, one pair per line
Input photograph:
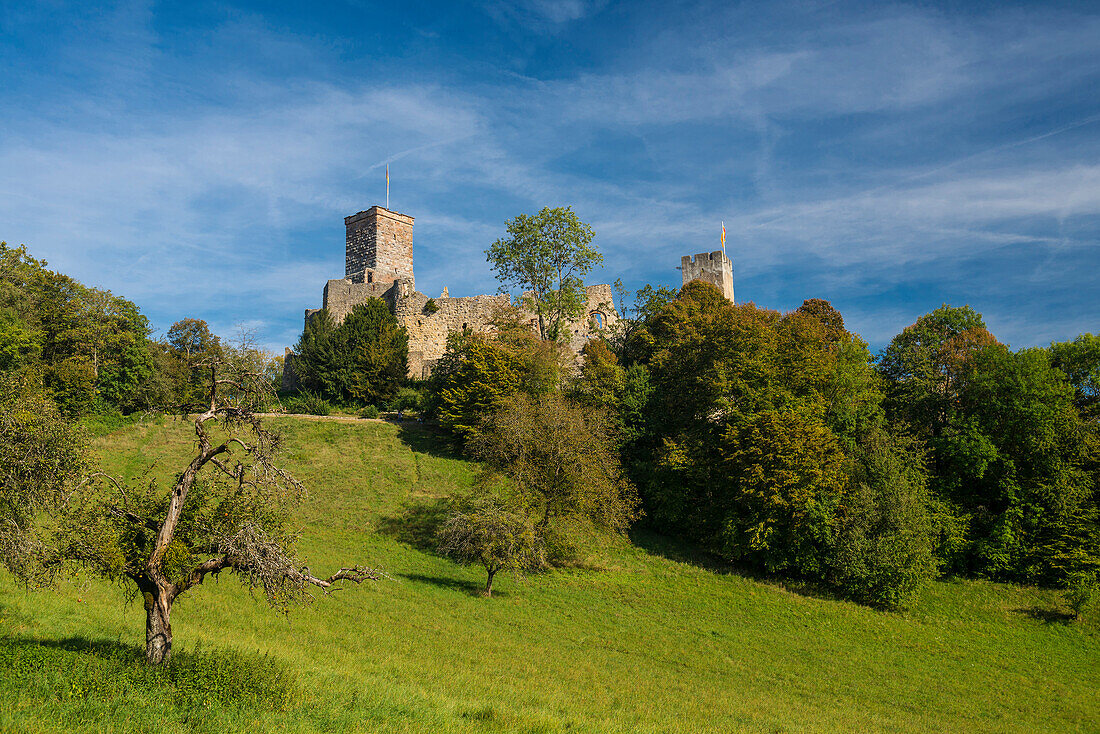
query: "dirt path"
338, 418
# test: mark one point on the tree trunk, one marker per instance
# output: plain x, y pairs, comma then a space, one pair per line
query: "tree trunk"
489, 582
158, 629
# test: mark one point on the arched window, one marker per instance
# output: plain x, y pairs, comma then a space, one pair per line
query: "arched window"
596, 320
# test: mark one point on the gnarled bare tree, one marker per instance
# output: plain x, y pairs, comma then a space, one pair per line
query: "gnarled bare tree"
228, 509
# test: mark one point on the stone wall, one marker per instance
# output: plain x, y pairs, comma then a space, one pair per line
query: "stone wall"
342, 295
711, 267
428, 331
379, 241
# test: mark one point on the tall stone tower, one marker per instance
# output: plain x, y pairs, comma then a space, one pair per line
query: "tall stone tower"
379, 246
711, 267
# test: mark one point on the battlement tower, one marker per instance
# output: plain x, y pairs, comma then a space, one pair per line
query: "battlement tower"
711, 267
379, 246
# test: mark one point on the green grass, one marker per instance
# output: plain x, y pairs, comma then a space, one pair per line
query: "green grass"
630, 640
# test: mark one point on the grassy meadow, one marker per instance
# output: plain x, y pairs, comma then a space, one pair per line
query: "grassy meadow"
636, 637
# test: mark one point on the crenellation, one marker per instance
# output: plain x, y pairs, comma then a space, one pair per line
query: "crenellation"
711, 267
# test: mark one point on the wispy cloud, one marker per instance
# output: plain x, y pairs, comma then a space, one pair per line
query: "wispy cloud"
205, 171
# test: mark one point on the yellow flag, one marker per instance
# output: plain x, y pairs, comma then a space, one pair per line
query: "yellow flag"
723, 236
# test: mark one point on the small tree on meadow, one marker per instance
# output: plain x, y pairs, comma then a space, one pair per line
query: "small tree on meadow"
486, 531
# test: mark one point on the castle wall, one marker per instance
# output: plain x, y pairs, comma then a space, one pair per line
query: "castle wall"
710, 267
342, 295
428, 331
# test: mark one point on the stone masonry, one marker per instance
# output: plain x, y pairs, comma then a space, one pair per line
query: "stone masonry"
711, 267
379, 264
379, 246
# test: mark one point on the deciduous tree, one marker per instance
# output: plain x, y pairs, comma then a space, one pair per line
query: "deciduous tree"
547, 255
230, 508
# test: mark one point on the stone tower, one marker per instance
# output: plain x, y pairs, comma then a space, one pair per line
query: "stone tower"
379, 246
711, 267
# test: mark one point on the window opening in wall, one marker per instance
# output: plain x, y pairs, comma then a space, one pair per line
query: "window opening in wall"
596, 318
464, 327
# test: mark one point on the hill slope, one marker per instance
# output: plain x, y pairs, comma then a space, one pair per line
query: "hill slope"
632, 642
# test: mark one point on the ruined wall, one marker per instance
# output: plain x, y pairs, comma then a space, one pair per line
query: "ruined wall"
342, 295
380, 241
599, 314
711, 267
428, 331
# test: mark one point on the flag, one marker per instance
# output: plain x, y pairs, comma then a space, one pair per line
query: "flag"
723, 237
387, 185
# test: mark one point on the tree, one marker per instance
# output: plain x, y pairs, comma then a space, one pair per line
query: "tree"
364, 359
229, 508
479, 371
92, 347
191, 339
484, 530
42, 458
922, 365
753, 438
560, 460
548, 255
1080, 361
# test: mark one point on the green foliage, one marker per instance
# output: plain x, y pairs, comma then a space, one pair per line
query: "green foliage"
407, 399
922, 365
363, 360
1014, 464
785, 482
91, 347
482, 529
478, 372
1082, 592
1080, 361
42, 458
753, 440
430, 306
559, 458
883, 553
547, 255
370, 411
307, 402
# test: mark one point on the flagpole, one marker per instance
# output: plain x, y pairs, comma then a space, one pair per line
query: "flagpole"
387, 186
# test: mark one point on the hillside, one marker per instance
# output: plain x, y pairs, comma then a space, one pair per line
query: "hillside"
631, 640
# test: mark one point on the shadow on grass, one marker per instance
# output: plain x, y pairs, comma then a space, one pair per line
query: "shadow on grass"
83, 668
417, 524
685, 551
427, 439
470, 587
1050, 616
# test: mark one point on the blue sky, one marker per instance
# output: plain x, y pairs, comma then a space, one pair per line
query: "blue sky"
199, 158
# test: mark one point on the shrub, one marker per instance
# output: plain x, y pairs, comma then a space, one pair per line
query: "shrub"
407, 399
1082, 590
370, 411
431, 306
308, 402
882, 553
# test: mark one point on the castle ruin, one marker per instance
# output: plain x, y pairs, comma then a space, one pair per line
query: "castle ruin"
378, 263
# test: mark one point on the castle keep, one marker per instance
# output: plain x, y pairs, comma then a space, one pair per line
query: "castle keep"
378, 263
